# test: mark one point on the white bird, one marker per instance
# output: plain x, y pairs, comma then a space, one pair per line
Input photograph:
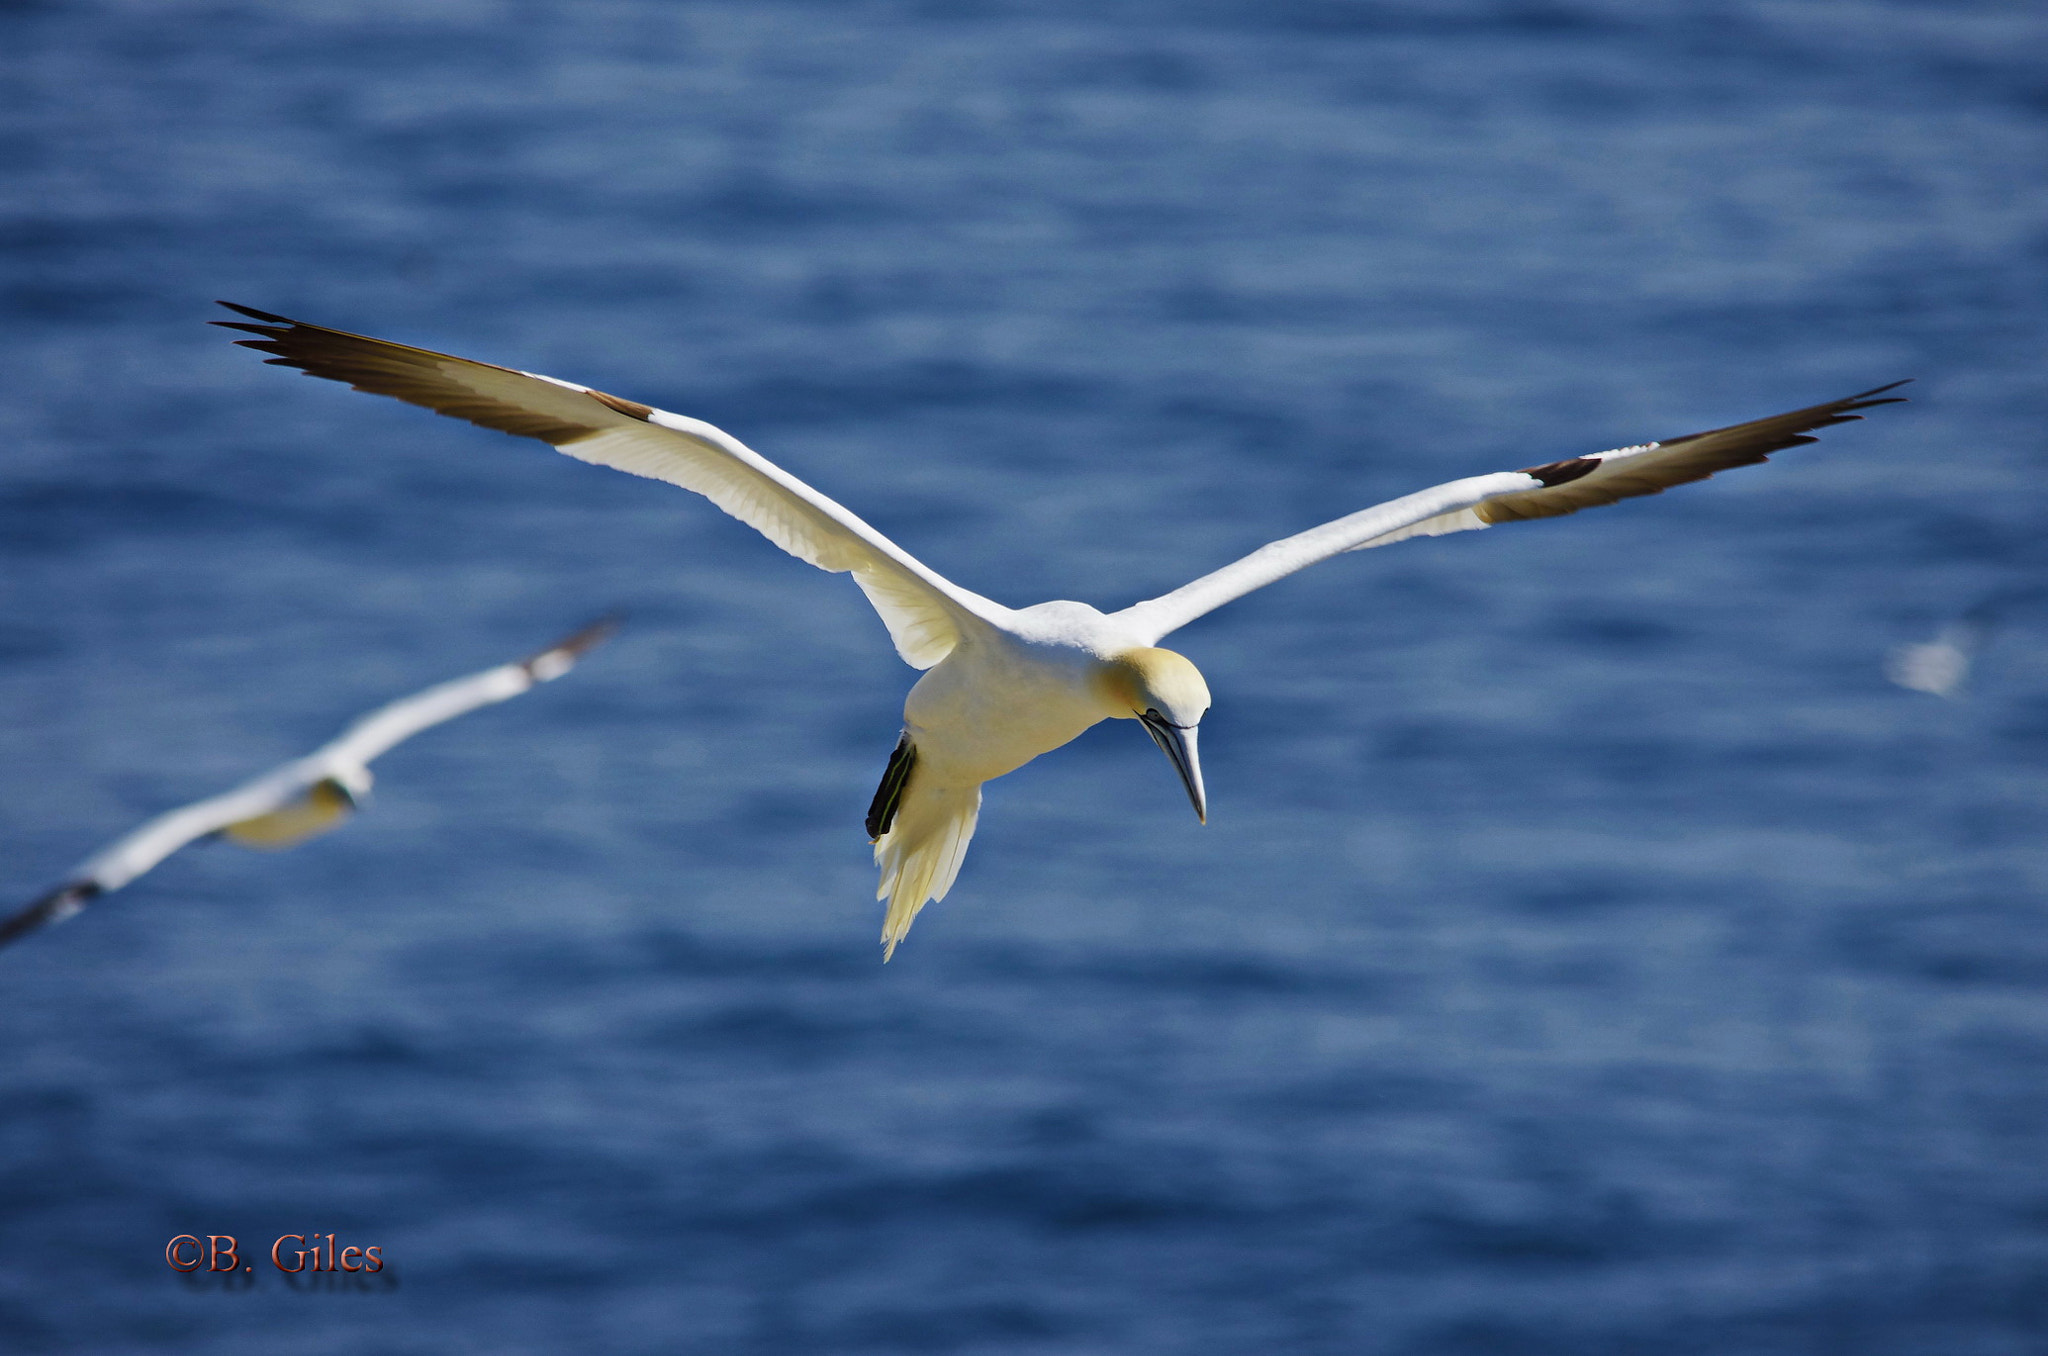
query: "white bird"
306, 797
1001, 685
1940, 665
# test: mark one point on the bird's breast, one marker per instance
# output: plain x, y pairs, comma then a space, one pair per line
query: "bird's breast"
320, 810
983, 712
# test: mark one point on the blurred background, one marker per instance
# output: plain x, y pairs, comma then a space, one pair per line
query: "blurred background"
1591, 951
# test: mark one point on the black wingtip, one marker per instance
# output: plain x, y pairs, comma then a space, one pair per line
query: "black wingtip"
1863, 401
558, 658
588, 638
252, 313
1847, 409
54, 907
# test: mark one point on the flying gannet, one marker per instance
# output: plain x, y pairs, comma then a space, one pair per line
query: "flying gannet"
306, 797
1001, 686
1941, 664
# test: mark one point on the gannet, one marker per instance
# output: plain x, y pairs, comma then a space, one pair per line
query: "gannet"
1939, 666
306, 797
1001, 686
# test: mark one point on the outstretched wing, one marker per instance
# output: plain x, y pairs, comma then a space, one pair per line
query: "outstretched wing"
127, 857
372, 734
122, 860
1546, 491
54, 907
924, 612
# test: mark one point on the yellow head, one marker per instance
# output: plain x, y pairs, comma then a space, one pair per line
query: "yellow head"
1166, 692
1150, 679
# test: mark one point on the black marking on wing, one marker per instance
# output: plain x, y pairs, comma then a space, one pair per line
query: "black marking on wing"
631, 408
1562, 472
53, 907
889, 795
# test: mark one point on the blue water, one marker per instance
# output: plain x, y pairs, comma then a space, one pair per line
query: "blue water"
1589, 953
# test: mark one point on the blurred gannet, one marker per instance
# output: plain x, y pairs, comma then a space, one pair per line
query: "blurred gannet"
306, 797
1941, 664
1001, 686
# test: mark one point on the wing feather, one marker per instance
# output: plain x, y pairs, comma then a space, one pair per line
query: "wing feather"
1547, 491
370, 736
925, 613
1652, 468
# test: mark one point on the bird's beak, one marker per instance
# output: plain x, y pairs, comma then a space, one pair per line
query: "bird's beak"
1177, 742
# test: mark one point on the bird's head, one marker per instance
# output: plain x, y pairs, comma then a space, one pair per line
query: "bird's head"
1165, 692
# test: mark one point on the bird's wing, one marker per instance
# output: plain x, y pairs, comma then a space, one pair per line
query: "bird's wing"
1546, 491
924, 612
127, 857
376, 732
54, 907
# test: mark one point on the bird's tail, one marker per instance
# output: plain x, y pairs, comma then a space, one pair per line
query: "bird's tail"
920, 854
